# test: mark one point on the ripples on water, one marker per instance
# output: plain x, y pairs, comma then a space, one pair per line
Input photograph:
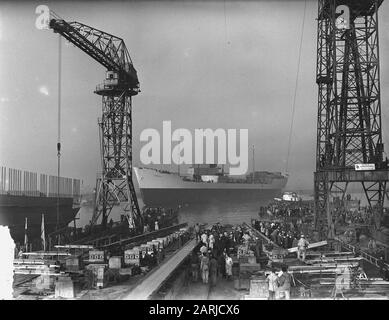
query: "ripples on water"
211, 213
219, 212
235, 213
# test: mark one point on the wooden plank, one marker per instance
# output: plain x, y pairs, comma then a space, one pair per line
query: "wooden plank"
36, 272
330, 253
52, 253
24, 279
155, 279
74, 246
310, 246
32, 261
325, 260
36, 267
324, 266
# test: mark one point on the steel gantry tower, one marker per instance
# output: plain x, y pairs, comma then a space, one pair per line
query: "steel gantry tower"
349, 137
114, 185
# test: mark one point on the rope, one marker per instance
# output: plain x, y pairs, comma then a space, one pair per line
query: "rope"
295, 88
59, 130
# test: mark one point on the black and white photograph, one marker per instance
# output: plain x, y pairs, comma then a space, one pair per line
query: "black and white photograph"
197, 155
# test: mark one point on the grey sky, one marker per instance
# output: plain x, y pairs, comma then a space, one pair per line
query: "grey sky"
200, 65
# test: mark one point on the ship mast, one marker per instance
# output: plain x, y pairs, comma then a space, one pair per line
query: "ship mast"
253, 163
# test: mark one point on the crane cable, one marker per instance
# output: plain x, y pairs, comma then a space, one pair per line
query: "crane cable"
59, 131
295, 88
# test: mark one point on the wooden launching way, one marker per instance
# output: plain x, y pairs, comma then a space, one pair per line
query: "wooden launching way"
368, 257
259, 234
157, 277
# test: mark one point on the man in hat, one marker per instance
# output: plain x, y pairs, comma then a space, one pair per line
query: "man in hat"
302, 246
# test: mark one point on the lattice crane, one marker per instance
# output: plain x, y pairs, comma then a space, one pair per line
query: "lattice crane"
349, 148
114, 186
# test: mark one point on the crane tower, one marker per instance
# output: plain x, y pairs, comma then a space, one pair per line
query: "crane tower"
114, 186
349, 136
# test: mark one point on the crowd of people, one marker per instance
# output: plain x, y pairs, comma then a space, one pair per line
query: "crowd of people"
213, 259
158, 218
285, 234
283, 209
358, 216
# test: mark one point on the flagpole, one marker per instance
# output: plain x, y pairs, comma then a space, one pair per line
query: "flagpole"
25, 236
43, 235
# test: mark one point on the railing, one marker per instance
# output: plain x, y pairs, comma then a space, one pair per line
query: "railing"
365, 255
119, 239
25, 183
352, 175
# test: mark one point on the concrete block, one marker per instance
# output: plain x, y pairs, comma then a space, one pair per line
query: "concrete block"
64, 288
96, 256
115, 262
73, 264
126, 271
259, 287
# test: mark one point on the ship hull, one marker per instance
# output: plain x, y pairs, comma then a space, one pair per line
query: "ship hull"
15, 209
174, 197
169, 189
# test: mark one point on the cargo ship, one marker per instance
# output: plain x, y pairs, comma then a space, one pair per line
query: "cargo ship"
25, 194
206, 184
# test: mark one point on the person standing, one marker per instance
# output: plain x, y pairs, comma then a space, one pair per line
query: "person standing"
272, 283
222, 265
194, 262
283, 283
204, 239
302, 246
203, 249
197, 231
228, 266
246, 239
213, 270
156, 226
204, 267
211, 241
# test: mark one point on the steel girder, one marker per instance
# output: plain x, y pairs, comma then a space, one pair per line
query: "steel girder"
115, 184
349, 109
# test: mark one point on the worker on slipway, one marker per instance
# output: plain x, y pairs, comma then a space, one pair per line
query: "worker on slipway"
194, 262
204, 267
211, 241
272, 283
222, 264
283, 283
204, 239
302, 246
246, 239
228, 266
213, 270
197, 231
203, 249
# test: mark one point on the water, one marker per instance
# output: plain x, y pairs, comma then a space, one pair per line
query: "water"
207, 213
220, 212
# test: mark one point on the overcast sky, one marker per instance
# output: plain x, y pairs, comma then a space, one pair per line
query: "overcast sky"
200, 65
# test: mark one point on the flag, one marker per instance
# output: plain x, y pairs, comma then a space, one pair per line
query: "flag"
25, 236
43, 236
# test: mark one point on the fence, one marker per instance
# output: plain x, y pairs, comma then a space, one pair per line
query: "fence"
25, 183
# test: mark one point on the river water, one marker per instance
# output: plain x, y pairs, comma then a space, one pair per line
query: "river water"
231, 213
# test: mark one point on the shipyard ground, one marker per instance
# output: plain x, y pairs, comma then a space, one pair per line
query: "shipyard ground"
169, 281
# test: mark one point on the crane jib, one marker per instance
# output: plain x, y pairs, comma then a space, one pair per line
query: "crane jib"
105, 48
